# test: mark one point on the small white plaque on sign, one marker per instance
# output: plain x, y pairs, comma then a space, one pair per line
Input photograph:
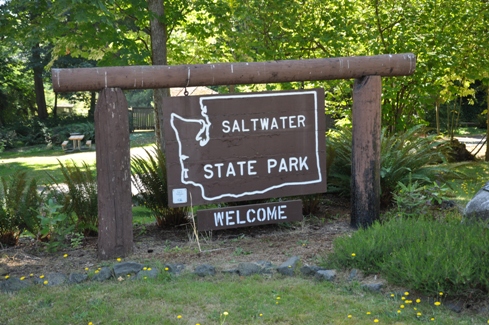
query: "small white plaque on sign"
179, 195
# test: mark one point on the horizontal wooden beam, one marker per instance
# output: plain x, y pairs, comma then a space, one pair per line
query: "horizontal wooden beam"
152, 77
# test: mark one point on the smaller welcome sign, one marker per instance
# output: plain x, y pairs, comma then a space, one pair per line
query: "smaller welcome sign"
249, 215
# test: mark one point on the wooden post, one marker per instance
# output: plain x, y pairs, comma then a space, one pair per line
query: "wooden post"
365, 161
115, 237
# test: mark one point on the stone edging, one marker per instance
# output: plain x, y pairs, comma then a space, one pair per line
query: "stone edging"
134, 270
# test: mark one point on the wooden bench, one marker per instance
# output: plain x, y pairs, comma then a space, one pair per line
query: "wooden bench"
64, 144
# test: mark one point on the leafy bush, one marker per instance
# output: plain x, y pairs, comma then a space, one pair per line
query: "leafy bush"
149, 178
18, 205
424, 255
55, 225
410, 154
80, 197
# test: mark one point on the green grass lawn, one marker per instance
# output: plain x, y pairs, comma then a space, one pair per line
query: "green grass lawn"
246, 300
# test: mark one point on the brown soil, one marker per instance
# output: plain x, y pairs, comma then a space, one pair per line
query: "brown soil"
275, 243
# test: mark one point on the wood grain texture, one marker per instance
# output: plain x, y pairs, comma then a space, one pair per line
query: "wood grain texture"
152, 77
365, 170
115, 237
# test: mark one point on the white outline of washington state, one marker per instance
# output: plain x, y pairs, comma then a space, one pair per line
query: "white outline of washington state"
203, 140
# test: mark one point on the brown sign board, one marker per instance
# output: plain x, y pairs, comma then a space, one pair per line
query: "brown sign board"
237, 147
249, 215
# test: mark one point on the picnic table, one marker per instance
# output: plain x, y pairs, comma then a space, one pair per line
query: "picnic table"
76, 138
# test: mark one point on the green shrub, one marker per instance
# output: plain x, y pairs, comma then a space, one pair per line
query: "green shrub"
81, 195
55, 225
19, 201
424, 255
149, 178
410, 154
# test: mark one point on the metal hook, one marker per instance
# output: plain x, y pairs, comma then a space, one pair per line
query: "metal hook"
185, 93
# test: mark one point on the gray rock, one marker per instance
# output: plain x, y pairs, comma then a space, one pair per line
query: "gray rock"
3, 271
353, 275
267, 267
150, 273
77, 278
175, 269
125, 268
13, 284
247, 268
288, 267
374, 286
104, 274
327, 275
205, 270
478, 207
456, 305
310, 270
55, 279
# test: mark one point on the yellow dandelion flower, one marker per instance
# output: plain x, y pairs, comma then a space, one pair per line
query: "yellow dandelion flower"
149, 269
96, 271
350, 316
7, 276
441, 293
376, 320
166, 269
145, 278
418, 314
278, 298
41, 276
225, 313
368, 313
415, 308
408, 301
260, 315
119, 259
65, 255
179, 316
437, 303
401, 306
432, 319
86, 269
398, 311
31, 275
45, 282
90, 323
22, 278
145, 268
403, 298
418, 301
406, 293
353, 254
392, 295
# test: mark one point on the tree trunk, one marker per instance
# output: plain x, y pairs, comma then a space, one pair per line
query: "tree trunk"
42, 111
487, 127
437, 112
158, 57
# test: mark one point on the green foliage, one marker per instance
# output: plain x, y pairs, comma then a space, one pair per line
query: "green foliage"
412, 155
55, 225
19, 200
80, 197
149, 178
421, 254
413, 200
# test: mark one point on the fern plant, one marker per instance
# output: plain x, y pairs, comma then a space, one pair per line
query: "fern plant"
19, 201
80, 197
411, 155
149, 178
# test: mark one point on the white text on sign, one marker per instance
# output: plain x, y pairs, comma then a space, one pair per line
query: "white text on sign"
264, 124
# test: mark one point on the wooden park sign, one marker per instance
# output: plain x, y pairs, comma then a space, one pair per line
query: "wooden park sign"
239, 147
112, 132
